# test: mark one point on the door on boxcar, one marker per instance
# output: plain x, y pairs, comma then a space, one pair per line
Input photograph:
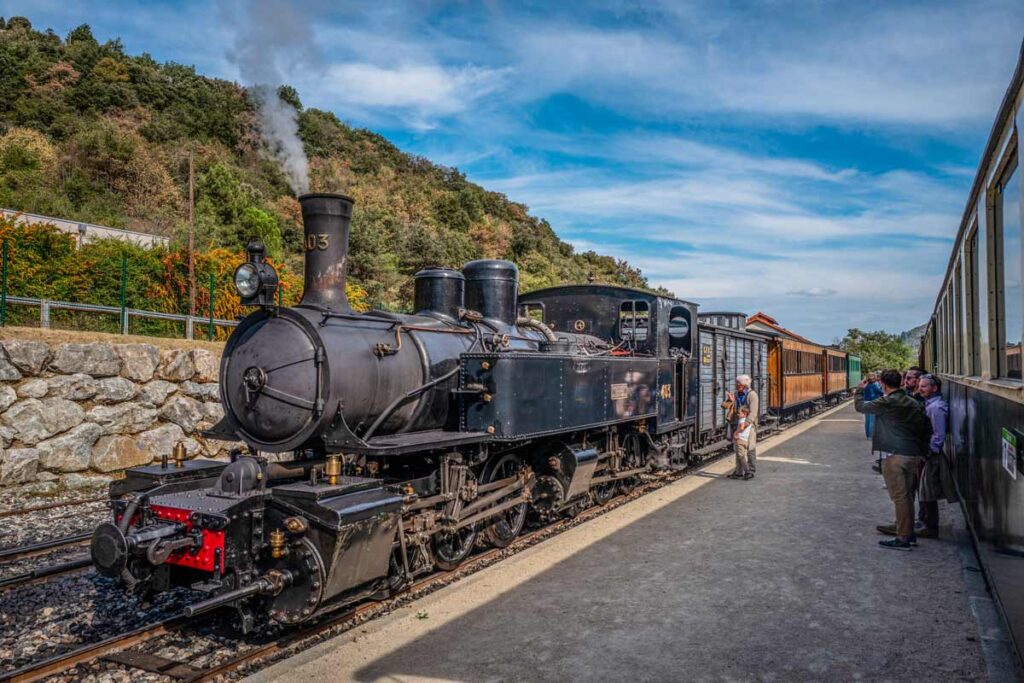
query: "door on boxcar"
721, 376
775, 375
761, 378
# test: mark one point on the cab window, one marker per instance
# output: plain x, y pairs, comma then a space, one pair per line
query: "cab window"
634, 321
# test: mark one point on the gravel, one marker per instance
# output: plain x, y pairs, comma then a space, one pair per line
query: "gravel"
35, 494
50, 524
38, 621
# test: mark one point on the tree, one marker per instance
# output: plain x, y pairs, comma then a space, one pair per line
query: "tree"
877, 350
290, 95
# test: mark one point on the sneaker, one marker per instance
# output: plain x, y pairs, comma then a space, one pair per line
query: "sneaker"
895, 544
748, 476
887, 529
735, 475
927, 533
918, 526
876, 469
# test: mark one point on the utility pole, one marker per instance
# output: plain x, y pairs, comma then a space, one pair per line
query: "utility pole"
191, 238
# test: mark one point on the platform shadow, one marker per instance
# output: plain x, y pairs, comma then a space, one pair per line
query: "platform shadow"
705, 587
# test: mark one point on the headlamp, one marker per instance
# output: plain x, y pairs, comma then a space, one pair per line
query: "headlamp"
247, 280
256, 280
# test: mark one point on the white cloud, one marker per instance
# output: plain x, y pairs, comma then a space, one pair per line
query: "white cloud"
853, 62
417, 92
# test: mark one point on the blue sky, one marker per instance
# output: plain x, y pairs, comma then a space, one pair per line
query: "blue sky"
807, 159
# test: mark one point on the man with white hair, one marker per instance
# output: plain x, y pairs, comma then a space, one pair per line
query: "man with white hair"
745, 396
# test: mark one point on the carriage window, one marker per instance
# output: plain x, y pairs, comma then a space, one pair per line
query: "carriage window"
634, 320
1011, 255
971, 281
965, 341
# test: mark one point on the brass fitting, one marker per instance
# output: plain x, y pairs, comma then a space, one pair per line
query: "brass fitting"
332, 470
296, 525
485, 365
179, 454
277, 544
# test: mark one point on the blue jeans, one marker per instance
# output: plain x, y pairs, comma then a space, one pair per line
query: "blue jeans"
869, 425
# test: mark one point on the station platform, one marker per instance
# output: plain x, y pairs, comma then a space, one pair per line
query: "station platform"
779, 578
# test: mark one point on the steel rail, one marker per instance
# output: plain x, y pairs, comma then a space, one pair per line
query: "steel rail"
69, 567
23, 551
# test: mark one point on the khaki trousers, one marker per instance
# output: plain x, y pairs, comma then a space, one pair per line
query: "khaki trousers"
900, 473
752, 450
742, 466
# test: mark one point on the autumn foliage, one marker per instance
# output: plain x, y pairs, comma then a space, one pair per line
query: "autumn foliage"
44, 263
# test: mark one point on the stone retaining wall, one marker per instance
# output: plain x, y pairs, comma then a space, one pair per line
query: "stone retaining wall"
74, 414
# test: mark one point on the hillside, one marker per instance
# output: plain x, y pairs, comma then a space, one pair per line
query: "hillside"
913, 336
90, 133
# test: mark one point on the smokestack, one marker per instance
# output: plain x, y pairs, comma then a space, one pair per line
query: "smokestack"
326, 219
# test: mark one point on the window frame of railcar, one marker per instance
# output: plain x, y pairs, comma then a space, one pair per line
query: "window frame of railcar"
941, 336
1007, 170
960, 323
950, 329
971, 302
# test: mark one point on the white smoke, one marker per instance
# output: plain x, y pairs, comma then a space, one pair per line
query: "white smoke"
274, 37
279, 123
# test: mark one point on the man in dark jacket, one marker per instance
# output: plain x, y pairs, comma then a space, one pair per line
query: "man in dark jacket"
901, 433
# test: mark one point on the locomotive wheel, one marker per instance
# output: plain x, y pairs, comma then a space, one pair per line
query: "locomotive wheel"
604, 492
548, 498
508, 524
452, 548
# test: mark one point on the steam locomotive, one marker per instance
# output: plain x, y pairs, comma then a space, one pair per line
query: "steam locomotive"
414, 438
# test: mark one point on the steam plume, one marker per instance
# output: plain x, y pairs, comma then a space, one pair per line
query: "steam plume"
279, 123
272, 36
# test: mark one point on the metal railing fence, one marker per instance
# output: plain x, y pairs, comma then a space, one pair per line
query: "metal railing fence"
124, 313
46, 306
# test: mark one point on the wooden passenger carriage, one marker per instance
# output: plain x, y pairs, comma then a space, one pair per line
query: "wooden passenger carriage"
973, 344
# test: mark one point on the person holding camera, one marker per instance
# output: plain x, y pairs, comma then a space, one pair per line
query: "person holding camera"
902, 433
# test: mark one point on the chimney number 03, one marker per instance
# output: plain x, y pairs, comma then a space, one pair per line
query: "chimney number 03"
317, 241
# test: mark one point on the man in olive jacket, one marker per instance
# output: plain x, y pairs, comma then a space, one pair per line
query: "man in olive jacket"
902, 431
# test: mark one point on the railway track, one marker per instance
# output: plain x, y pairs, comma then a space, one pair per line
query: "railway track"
68, 566
31, 550
116, 650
